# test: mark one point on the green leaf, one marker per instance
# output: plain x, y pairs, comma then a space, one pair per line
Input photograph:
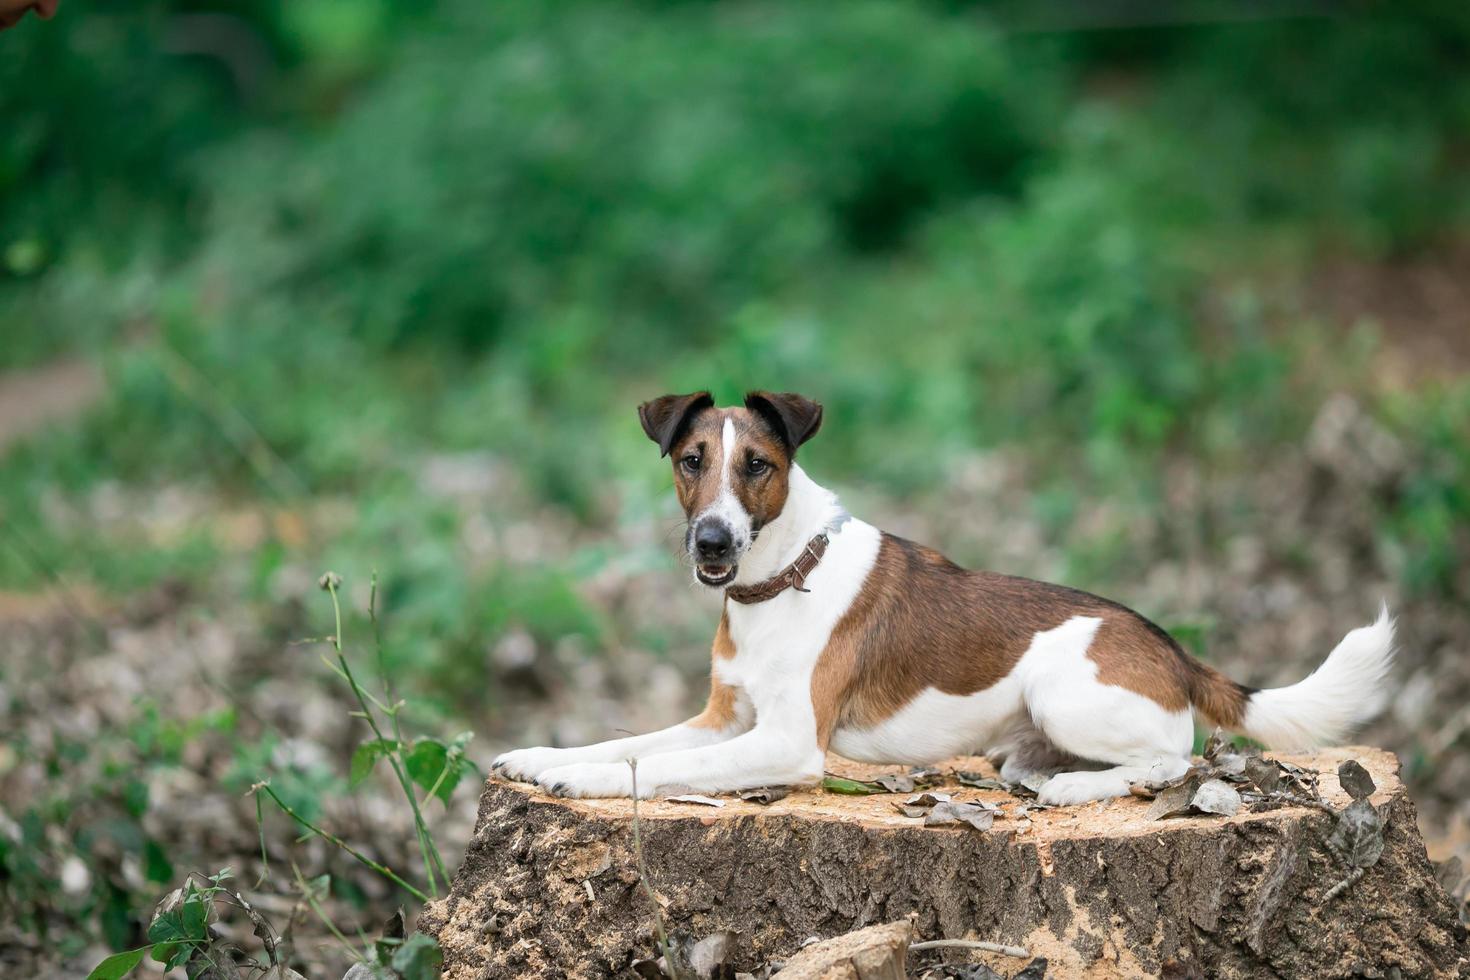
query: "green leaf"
367, 756
428, 759
118, 965
164, 952
419, 958
850, 787
185, 922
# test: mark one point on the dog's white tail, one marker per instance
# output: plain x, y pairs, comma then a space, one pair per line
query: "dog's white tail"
1337, 697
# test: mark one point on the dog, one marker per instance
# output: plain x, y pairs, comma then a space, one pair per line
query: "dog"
836, 635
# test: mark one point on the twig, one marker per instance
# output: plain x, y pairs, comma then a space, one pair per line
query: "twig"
658, 916
331, 838
1352, 878
1292, 799
1017, 951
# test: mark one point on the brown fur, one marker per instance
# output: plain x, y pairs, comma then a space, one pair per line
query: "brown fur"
921, 621
719, 711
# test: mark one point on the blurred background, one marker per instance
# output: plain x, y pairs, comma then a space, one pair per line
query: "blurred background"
1169, 302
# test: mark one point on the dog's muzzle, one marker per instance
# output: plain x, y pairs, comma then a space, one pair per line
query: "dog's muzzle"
713, 550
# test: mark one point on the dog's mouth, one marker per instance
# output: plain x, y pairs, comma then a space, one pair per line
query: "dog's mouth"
715, 575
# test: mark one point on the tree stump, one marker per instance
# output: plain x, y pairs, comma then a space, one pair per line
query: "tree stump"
550, 887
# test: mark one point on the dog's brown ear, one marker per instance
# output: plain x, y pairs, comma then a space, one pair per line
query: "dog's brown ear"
795, 419
666, 418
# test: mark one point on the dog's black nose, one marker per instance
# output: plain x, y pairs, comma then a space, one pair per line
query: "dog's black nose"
713, 542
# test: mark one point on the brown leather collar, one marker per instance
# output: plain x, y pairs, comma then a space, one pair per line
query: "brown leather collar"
793, 576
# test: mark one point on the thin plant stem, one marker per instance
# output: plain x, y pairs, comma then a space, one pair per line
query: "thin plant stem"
265, 861
310, 897
658, 916
427, 848
378, 637
331, 838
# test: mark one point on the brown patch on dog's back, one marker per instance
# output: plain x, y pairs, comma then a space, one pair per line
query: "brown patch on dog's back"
921, 621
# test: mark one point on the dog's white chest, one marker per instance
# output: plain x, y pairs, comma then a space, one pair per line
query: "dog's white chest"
778, 642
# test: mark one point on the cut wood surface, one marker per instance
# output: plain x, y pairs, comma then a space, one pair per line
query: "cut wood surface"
873, 953
548, 886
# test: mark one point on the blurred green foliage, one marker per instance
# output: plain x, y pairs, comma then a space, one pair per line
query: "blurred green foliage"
314, 242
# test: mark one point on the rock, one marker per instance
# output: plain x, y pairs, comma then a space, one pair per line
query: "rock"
549, 887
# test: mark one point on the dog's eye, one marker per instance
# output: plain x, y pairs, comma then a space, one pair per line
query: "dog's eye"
757, 466
690, 463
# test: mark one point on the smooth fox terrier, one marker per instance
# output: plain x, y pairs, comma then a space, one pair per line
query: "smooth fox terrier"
836, 635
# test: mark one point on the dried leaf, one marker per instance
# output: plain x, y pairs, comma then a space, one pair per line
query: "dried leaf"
1264, 773
1358, 836
895, 783
1231, 765
696, 798
393, 926
282, 972
1355, 780
1030, 786
1174, 800
977, 781
1035, 970
1450, 873
969, 971
977, 815
1214, 745
651, 969
1216, 796
765, 795
262, 928
710, 957
927, 799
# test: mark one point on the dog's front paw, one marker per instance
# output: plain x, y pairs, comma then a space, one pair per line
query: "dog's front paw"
590, 779
524, 765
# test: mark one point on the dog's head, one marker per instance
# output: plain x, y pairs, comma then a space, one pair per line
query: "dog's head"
731, 468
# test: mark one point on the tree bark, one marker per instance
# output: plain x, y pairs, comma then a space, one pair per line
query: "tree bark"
549, 887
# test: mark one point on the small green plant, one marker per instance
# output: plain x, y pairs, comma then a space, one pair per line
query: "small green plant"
180, 936
425, 768
433, 765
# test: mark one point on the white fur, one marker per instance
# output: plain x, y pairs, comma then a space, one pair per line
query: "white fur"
726, 507
1346, 691
1053, 693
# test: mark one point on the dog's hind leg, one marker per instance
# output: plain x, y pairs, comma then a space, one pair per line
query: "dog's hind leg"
1137, 737
1024, 754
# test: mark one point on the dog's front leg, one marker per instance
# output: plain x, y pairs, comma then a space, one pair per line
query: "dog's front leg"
727, 714
528, 764
764, 756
